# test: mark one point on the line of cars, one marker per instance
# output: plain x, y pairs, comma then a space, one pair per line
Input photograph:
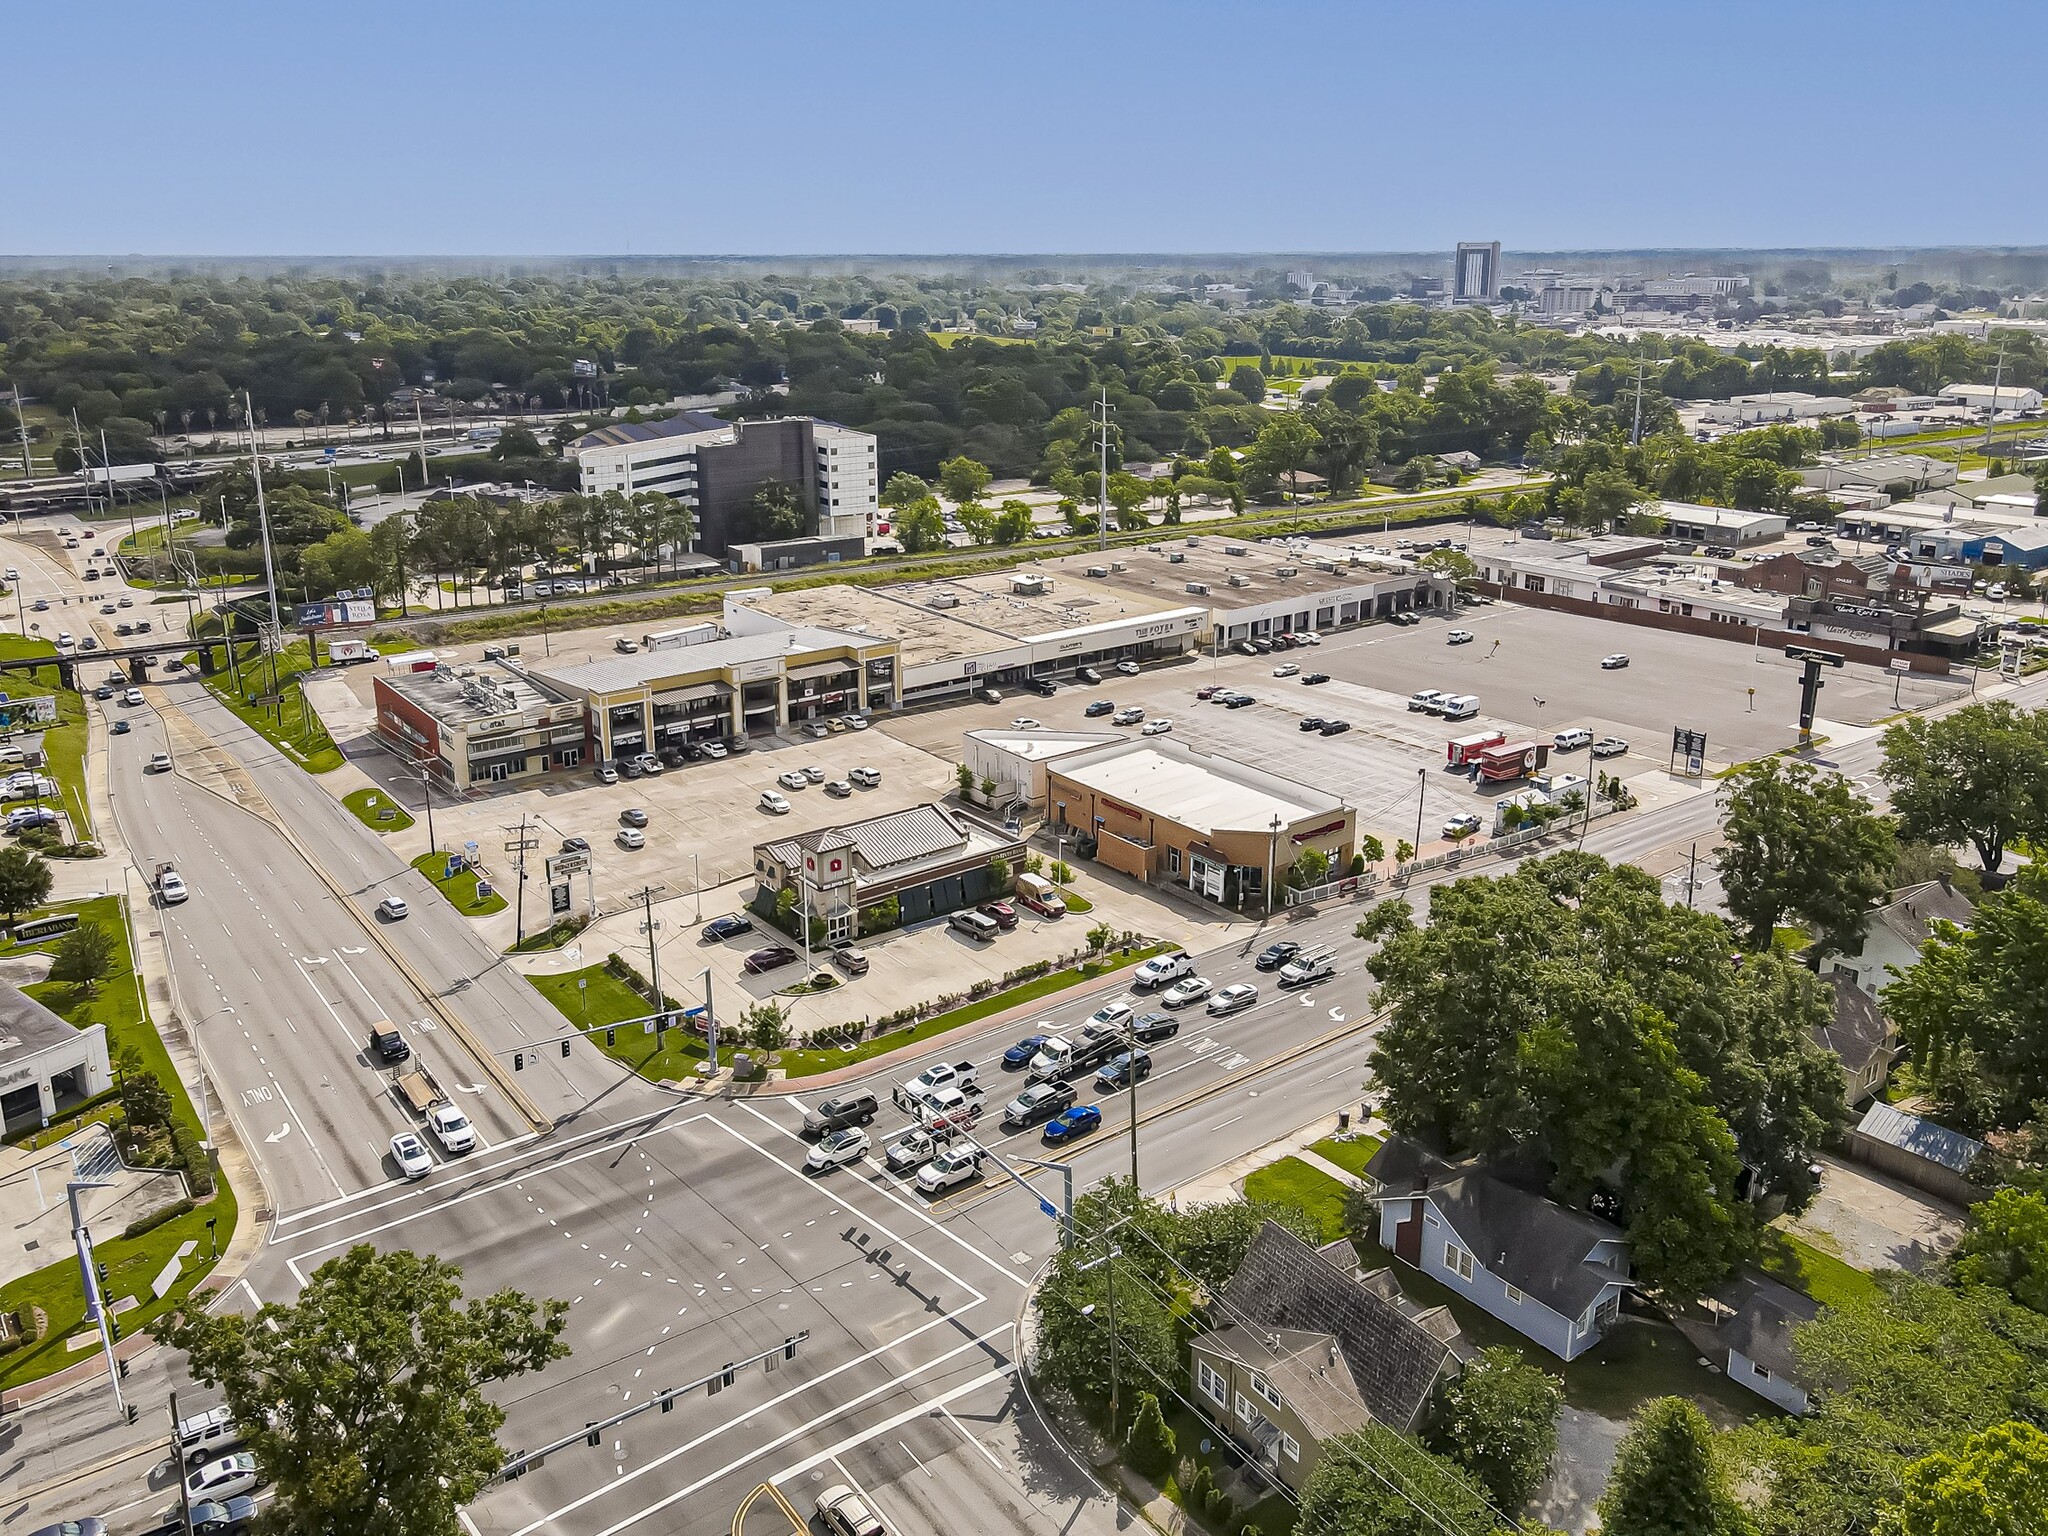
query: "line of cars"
797, 779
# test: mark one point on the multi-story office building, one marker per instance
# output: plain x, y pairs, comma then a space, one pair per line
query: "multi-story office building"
1475, 273
715, 466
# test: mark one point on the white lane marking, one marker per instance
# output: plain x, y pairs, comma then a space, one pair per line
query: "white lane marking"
855, 1441
991, 1455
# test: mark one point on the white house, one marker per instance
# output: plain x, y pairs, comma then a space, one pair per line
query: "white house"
1893, 934
1746, 1330
1553, 1275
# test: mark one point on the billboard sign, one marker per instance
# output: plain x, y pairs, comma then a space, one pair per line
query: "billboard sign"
1691, 745
336, 613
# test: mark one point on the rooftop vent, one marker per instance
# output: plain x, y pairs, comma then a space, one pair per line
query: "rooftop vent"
1239, 581
1285, 571
1199, 588
943, 600
1233, 549
1177, 558
1097, 571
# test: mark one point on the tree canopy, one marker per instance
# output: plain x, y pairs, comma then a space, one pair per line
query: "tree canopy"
1668, 1480
1979, 775
1803, 844
1566, 1012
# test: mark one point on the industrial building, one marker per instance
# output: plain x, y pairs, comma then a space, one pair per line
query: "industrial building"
1161, 812
715, 467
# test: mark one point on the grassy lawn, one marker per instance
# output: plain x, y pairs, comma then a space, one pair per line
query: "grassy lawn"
1790, 941
364, 804
1351, 1153
549, 938
602, 999
132, 1264
807, 1063
64, 741
290, 725
1806, 1269
1076, 904
954, 338
1309, 1190
460, 889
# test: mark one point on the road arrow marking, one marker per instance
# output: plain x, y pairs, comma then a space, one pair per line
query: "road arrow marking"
347, 951
280, 1133
1337, 1015
312, 960
469, 1087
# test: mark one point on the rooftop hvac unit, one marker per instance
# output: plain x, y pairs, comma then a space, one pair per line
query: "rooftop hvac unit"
1285, 571
1027, 586
1176, 558
1194, 539
1240, 581
1096, 570
1233, 549
942, 600
1329, 567
1199, 588
1118, 565
1154, 548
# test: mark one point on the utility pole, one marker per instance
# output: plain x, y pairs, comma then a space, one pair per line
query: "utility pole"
1272, 862
519, 846
276, 635
1635, 435
107, 464
1692, 869
28, 465
1421, 793
649, 927
1997, 379
1100, 409
178, 1461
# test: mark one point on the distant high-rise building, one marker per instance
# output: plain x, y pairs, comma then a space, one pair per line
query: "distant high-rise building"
1305, 282
1475, 274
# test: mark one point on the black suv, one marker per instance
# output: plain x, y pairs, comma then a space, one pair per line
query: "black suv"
1151, 1027
1276, 954
836, 1114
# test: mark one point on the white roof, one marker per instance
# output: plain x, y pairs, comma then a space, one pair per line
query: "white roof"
1716, 517
610, 674
1043, 746
1210, 794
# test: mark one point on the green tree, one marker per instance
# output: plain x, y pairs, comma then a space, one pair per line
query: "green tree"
963, 479
999, 872
1310, 867
1248, 382
365, 1398
1283, 449
920, 526
1979, 776
1454, 563
1211, 1240
1498, 1420
2006, 1245
25, 881
964, 777
776, 510
516, 442
1803, 844
1666, 1480
765, 1026
144, 1099
341, 562
1996, 1484
1128, 495
977, 522
1153, 1448
1372, 1481
85, 957
904, 491
1013, 523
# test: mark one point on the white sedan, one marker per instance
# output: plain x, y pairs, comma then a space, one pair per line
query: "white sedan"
412, 1157
392, 908
1156, 728
1192, 990
1025, 723
792, 779
632, 837
837, 1150
1286, 669
1231, 999
1613, 663
223, 1479
1128, 668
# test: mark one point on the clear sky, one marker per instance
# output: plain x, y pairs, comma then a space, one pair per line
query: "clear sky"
579, 127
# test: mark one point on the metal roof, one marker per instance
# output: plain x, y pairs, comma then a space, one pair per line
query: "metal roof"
1923, 1138
27, 1027
901, 837
621, 433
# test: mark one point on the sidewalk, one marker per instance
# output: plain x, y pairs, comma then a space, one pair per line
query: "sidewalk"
1226, 1180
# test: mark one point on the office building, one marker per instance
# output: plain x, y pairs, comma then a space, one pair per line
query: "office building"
716, 466
1475, 274
46, 1066
487, 727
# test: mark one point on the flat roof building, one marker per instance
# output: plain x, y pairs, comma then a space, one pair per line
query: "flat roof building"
1719, 525
46, 1065
1162, 812
477, 725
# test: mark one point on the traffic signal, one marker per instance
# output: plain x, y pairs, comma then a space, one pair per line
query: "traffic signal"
132, 1412
727, 1378
595, 1435
123, 1364
789, 1347
519, 1061
565, 1047
113, 1326
611, 1037
668, 1401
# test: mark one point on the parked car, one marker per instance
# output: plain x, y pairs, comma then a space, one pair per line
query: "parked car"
791, 780
1458, 637
1571, 739
1073, 1124
838, 789
1610, 746
1026, 723
1464, 824
1314, 678
1239, 701
974, 925
1335, 727
1312, 722
1427, 702
632, 816
1156, 728
771, 958
851, 960
867, 778
1001, 912
1088, 675
1131, 716
773, 803
1404, 618
1128, 668
607, 774
1233, 998
836, 1149
1614, 662
632, 838
1208, 691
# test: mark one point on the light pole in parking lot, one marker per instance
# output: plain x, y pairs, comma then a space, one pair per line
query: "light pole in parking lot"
1421, 794
1272, 863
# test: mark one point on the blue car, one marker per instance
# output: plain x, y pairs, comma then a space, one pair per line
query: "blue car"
731, 926
1018, 1056
1074, 1124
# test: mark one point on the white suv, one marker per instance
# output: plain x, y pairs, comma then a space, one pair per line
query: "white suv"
1571, 740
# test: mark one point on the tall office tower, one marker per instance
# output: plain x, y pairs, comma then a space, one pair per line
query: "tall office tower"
1475, 274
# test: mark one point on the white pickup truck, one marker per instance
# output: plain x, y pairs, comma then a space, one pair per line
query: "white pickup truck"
958, 1074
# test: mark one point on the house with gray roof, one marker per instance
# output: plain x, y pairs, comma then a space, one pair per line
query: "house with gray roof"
1554, 1275
1746, 1329
1894, 932
1859, 1036
1307, 1347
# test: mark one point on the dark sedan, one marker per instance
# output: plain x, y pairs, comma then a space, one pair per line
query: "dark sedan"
731, 926
1018, 1056
1276, 954
769, 959
1336, 727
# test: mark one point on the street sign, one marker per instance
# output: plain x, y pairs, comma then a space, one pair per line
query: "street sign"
1048, 1207
563, 865
1900, 664
558, 899
453, 867
1692, 746
483, 889
264, 701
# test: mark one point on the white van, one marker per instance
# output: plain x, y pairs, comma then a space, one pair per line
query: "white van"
1460, 706
1313, 964
1427, 702
1571, 740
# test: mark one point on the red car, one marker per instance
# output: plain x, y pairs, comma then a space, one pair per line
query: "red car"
771, 957
1207, 693
1004, 914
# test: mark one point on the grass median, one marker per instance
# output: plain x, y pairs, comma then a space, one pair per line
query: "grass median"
289, 724
460, 887
594, 999
377, 810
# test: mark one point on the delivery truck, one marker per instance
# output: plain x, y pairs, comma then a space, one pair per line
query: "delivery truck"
1512, 760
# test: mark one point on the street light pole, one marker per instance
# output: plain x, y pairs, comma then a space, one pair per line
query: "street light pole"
1421, 792
1272, 863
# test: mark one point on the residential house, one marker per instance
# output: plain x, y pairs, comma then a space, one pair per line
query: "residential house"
1894, 932
1553, 1275
1746, 1330
1859, 1036
1313, 1348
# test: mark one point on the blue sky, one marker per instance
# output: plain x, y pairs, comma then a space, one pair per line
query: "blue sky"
1114, 125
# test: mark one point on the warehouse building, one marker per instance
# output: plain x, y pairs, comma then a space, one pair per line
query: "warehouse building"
1727, 526
1163, 813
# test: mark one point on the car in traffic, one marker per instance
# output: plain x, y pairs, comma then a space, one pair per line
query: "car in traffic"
774, 957
773, 803
1098, 708
1459, 637
1072, 1124
1018, 1056
393, 909
1112, 1075
1232, 999
1313, 678
1614, 662
835, 1149
915, 1147
730, 926
451, 1128
1286, 669
415, 1162
842, 1512
1276, 954
1464, 824
229, 1475
1183, 993
955, 1165
1610, 746
1038, 1102
1156, 728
